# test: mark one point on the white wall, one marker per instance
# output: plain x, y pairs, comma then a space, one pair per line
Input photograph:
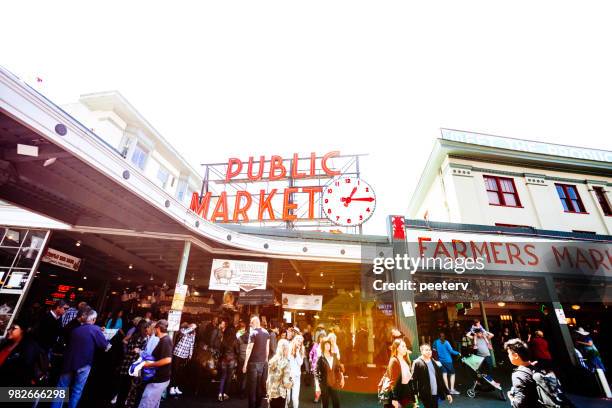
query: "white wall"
465, 194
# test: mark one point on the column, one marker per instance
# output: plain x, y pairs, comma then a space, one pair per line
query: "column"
403, 300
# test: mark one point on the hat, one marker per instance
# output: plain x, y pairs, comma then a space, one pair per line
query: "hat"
582, 331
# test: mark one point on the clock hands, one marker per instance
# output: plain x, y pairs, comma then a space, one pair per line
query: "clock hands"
347, 200
370, 199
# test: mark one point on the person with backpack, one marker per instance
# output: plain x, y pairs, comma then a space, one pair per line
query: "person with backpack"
395, 386
532, 386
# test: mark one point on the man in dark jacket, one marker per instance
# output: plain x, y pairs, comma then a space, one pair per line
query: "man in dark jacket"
524, 393
50, 327
429, 381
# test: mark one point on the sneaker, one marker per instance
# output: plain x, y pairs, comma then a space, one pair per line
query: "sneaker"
177, 391
114, 400
172, 391
455, 392
225, 397
220, 397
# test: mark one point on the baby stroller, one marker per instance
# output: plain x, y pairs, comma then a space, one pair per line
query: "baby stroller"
482, 382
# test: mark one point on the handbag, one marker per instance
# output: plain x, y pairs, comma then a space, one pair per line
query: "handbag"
385, 388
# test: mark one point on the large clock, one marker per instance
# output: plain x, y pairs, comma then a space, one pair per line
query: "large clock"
348, 201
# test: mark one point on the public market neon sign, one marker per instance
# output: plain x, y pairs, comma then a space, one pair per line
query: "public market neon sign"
243, 201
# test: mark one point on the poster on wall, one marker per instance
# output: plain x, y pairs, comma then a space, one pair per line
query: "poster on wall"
302, 302
180, 293
234, 275
55, 257
174, 320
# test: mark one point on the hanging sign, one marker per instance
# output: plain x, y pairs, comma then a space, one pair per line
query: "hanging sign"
257, 297
302, 302
178, 301
174, 320
234, 275
55, 257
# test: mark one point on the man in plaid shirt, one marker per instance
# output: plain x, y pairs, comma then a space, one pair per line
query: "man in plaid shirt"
182, 353
72, 313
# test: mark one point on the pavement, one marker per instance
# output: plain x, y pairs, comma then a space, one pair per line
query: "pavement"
361, 394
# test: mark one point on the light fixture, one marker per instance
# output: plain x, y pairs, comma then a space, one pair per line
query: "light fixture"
317, 316
80, 289
119, 277
210, 300
281, 279
84, 277
196, 293
131, 266
78, 243
304, 287
297, 274
192, 277
501, 304
49, 161
321, 274
151, 278
576, 307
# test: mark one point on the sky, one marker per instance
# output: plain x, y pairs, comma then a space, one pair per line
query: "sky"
240, 78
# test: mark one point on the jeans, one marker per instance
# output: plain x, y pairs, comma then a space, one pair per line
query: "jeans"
152, 394
257, 374
432, 403
178, 371
328, 393
227, 372
277, 402
295, 392
75, 380
488, 363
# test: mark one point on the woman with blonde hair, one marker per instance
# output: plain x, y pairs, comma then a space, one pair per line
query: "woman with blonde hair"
400, 374
315, 352
279, 375
296, 359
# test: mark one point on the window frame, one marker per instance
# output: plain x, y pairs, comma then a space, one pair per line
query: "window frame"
500, 192
137, 149
569, 202
603, 201
164, 184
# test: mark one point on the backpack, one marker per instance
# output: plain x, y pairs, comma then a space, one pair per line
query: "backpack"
548, 387
385, 389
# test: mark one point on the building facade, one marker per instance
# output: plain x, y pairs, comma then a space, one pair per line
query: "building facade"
489, 180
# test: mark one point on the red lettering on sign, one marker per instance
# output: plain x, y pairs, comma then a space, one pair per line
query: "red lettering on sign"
230, 172
514, 255
288, 205
238, 210
441, 248
421, 246
277, 164
294, 168
265, 204
459, 248
221, 208
562, 256
200, 209
495, 250
311, 198
598, 259
581, 258
479, 252
324, 165
530, 251
250, 175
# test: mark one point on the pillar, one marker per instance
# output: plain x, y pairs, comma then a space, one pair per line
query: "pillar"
560, 329
403, 300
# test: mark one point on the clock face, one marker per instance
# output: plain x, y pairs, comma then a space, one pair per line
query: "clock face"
348, 201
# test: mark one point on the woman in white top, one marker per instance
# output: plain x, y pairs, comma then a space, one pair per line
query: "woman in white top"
296, 359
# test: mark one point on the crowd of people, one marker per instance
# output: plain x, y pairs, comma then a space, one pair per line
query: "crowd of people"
136, 362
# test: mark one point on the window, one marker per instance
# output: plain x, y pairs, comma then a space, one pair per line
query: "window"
502, 191
139, 156
569, 198
181, 190
603, 200
499, 224
163, 176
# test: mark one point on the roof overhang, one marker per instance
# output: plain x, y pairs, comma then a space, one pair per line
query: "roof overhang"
92, 187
